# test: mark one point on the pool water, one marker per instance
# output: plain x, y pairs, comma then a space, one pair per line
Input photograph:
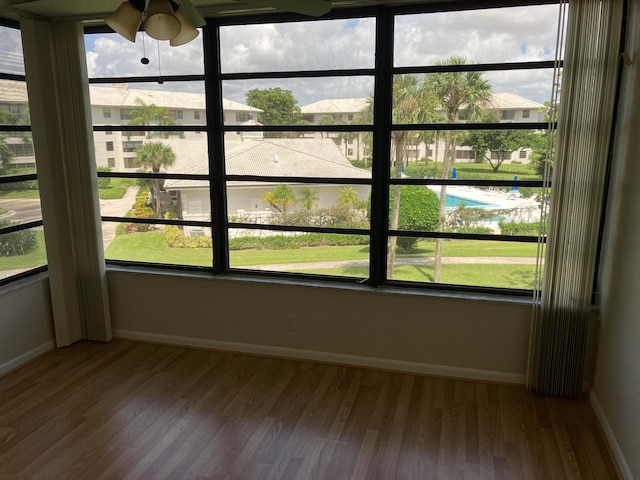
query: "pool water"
451, 201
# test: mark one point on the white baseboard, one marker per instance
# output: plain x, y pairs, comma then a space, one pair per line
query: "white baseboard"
611, 438
25, 357
327, 357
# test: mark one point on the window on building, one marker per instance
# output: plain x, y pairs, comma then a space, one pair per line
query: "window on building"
111, 162
292, 183
179, 114
525, 113
523, 154
108, 133
196, 115
106, 112
109, 146
507, 115
131, 146
130, 162
125, 114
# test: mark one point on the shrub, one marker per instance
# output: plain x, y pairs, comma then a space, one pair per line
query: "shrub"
288, 242
419, 210
16, 243
465, 219
340, 217
513, 228
140, 210
175, 238
102, 181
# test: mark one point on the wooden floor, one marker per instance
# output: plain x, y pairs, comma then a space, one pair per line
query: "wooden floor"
128, 410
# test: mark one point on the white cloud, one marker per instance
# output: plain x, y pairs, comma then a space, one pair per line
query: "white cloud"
486, 36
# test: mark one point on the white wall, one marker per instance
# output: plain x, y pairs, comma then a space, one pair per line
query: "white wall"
26, 323
616, 391
350, 324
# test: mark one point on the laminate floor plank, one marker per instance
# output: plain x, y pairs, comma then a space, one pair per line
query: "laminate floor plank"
130, 411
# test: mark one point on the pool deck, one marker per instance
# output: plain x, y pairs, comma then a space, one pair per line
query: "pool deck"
495, 199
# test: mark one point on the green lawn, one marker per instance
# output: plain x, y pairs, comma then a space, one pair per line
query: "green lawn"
151, 247
3, 211
116, 189
498, 276
34, 259
19, 194
506, 171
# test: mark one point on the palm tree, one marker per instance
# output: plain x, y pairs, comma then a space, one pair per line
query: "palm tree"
6, 154
347, 197
281, 198
151, 114
308, 198
155, 156
455, 90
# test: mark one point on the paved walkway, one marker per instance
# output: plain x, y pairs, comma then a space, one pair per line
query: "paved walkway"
285, 267
116, 208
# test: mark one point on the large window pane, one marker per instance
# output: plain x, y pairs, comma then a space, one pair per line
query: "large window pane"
318, 45
21, 251
110, 55
11, 58
174, 152
516, 96
159, 244
467, 209
299, 252
311, 205
14, 106
296, 154
20, 202
315, 101
148, 104
514, 34
466, 262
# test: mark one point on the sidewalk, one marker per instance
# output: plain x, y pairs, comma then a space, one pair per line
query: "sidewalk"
116, 208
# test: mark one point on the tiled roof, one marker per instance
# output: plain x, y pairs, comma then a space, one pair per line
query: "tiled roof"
503, 101
336, 105
284, 157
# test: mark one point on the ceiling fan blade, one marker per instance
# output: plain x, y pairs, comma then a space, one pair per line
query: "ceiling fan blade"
314, 8
192, 14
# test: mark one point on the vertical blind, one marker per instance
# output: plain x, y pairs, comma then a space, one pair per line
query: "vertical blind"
562, 307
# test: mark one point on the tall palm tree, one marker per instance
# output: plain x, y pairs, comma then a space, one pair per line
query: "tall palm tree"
308, 198
155, 156
150, 114
454, 91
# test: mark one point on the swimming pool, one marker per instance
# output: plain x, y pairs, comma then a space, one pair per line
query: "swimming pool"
453, 201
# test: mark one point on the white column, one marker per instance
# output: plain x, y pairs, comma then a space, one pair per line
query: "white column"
59, 104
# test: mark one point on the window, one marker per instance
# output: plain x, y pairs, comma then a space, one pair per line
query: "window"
106, 113
523, 154
125, 114
333, 182
108, 133
111, 162
130, 162
525, 113
129, 147
179, 114
22, 249
109, 146
507, 115
465, 155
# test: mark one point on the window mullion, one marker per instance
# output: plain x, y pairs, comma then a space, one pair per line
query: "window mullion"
215, 137
381, 146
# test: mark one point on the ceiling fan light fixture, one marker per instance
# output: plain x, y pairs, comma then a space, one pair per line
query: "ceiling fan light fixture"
187, 31
161, 22
126, 20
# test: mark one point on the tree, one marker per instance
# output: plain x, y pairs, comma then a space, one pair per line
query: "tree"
151, 114
499, 142
418, 211
308, 198
347, 197
6, 154
454, 91
155, 156
279, 107
281, 198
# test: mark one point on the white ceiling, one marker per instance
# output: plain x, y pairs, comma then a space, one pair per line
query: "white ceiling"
60, 10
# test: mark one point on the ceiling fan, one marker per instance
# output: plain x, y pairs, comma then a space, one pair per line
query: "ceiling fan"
313, 8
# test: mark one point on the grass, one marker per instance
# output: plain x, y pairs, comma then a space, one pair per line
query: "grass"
497, 276
19, 194
34, 259
151, 247
116, 189
3, 211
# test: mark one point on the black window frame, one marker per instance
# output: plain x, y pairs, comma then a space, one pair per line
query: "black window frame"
381, 182
16, 178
